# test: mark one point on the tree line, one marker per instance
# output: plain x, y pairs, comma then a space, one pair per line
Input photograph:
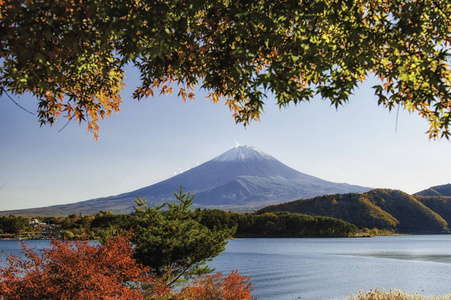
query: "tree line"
105, 224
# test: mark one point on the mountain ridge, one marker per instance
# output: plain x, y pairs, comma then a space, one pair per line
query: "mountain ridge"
243, 177
380, 208
438, 190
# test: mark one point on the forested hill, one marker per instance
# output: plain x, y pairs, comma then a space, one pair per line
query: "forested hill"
439, 190
438, 199
439, 204
381, 208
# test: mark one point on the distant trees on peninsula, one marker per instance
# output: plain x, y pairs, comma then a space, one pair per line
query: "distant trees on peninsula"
277, 224
13, 225
105, 224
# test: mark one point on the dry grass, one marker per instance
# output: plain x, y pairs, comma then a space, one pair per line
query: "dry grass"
381, 294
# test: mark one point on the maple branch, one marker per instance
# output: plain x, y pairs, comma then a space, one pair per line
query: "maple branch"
4, 91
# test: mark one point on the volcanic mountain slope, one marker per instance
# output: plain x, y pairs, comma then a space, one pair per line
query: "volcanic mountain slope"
241, 178
381, 208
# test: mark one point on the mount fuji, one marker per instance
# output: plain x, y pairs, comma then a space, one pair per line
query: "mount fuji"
243, 178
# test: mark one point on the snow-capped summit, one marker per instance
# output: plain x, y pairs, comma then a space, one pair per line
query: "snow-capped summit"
241, 153
242, 177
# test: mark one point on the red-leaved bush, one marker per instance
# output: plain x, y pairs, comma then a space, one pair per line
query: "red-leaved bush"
232, 287
77, 270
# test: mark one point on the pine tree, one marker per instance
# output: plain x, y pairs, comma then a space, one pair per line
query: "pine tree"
173, 242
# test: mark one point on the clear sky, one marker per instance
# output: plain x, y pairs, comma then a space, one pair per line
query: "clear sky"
151, 140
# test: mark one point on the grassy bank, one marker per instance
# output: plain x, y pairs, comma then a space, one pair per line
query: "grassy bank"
381, 294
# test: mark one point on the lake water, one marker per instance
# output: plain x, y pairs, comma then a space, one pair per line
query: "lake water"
333, 268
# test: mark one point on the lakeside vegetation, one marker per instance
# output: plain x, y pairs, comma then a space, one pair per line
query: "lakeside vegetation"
393, 294
105, 224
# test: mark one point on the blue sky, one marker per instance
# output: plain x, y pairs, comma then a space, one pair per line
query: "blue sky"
151, 140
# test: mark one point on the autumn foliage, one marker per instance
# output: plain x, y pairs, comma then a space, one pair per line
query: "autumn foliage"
78, 270
232, 287
75, 270
71, 55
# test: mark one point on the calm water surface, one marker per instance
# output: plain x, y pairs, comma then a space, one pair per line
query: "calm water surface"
332, 268
335, 268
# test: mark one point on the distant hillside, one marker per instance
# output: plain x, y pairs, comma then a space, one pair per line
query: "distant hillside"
439, 190
441, 205
381, 208
438, 199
